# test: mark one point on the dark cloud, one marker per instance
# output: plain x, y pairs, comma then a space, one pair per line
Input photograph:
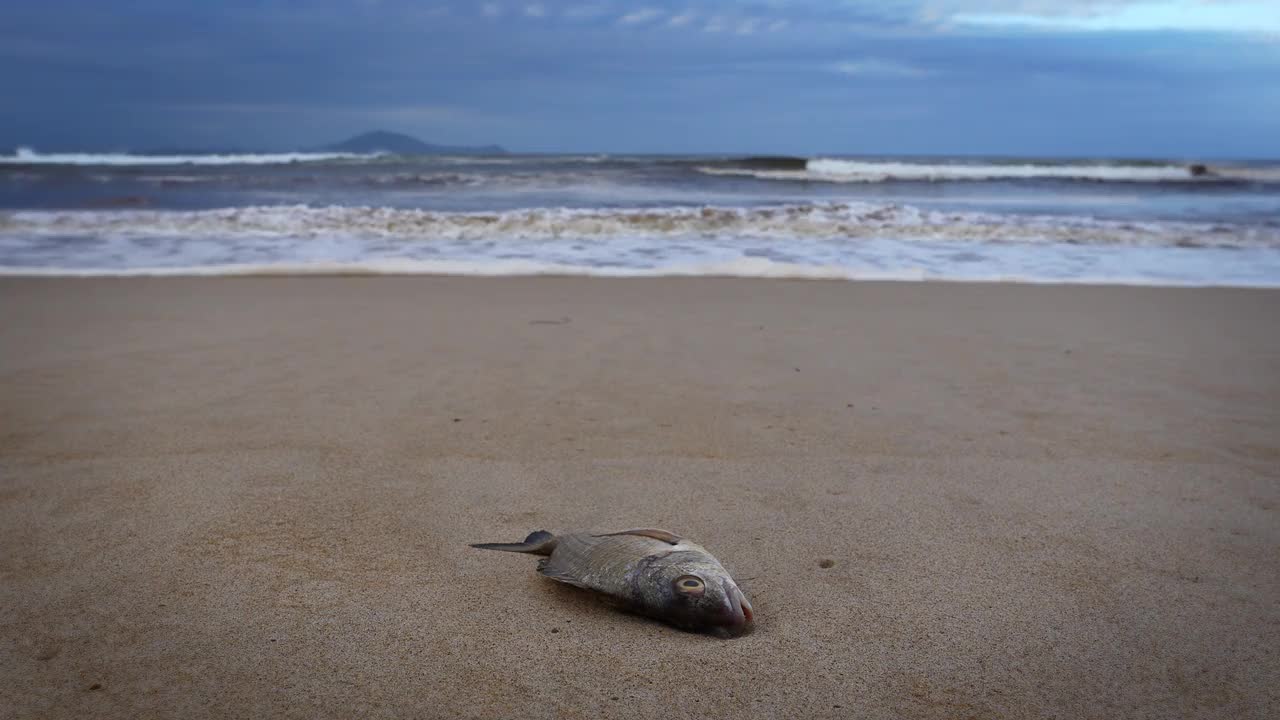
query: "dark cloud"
643, 76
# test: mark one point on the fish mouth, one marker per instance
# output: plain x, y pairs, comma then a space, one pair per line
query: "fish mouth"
740, 612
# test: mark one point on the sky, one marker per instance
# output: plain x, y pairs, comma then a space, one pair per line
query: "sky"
1127, 78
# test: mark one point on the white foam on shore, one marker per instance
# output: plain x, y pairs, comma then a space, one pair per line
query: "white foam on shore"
748, 268
27, 156
745, 267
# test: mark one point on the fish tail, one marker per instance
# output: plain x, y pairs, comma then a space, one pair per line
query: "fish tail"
539, 542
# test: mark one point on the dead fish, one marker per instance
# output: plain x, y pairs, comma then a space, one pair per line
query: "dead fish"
650, 572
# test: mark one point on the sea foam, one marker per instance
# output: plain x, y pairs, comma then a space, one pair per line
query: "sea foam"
1220, 271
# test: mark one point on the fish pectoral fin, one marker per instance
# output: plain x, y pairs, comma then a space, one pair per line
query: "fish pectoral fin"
662, 535
549, 569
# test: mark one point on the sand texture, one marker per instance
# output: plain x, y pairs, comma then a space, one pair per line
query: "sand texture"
252, 498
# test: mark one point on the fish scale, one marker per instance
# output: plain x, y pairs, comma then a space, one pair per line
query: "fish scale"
600, 563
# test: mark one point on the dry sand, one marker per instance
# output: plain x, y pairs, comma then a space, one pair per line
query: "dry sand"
252, 497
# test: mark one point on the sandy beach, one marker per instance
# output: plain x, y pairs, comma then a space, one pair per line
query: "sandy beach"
252, 497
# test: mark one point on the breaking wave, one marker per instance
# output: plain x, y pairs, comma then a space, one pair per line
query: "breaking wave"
871, 171
849, 221
833, 240
27, 156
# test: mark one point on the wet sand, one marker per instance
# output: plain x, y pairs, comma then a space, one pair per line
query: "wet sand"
253, 497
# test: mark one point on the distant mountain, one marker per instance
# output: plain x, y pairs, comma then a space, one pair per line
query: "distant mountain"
399, 144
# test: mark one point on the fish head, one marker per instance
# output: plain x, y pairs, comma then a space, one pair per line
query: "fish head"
700, 597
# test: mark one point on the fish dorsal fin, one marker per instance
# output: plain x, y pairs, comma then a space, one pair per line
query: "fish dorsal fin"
663, 535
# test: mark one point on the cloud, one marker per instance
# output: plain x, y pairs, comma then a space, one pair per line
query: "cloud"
1109, 15
878, 67
643, 15
682, 19
576, 78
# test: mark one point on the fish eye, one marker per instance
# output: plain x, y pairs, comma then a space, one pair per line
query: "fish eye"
690, 585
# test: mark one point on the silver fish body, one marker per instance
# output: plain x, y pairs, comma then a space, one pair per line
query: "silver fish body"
650, 572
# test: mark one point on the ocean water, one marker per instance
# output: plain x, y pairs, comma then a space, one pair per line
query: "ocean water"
988, 219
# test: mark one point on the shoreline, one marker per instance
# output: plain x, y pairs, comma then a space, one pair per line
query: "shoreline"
501, 271
248, 496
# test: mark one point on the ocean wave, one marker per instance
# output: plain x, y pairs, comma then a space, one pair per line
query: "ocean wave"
839, 240
407, 179
376, 180
27, 156
412, 179
871, 171
852, 221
